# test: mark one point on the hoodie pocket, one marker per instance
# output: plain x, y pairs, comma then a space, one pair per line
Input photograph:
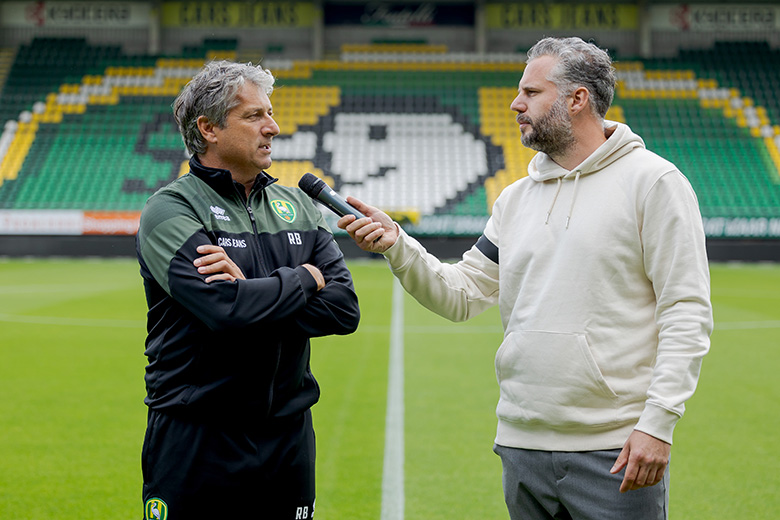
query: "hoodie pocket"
552, 379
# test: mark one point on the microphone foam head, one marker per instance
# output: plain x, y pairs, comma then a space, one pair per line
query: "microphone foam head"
311, 185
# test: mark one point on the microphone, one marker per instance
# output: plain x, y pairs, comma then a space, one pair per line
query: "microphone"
321, 192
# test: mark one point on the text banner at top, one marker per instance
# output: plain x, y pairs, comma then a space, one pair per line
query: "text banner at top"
399, 14
735, 17
238, 14
75, 14
603, 17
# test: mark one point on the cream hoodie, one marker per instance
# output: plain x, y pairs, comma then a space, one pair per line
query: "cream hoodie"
602, 282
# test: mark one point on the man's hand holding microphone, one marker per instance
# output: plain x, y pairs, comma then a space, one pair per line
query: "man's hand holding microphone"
374, 233
371, 229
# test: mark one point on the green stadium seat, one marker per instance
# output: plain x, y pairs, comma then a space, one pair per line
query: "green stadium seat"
84, 161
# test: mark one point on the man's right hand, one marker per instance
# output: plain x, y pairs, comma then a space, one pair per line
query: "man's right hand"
216, 262
375, 233
317, 274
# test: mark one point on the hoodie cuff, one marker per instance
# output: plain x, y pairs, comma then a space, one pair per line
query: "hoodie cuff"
657, 422
397, 254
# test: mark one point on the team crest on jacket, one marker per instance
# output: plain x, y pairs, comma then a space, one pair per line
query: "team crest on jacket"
284, 210
155, 509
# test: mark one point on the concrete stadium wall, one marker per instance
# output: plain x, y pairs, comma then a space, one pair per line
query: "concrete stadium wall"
108, 246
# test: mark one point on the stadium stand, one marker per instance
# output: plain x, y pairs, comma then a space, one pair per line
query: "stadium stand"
411, 128
718, 128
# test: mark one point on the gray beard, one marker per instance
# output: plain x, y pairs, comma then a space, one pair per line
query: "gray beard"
551, 133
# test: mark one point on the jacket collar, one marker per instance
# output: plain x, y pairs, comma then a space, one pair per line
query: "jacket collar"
222, 181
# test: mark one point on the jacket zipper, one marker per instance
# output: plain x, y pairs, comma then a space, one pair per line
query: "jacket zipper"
248, 206
264, 271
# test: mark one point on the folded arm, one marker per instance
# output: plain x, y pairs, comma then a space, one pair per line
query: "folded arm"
169, 238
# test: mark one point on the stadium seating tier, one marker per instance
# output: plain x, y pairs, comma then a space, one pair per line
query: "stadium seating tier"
87, 127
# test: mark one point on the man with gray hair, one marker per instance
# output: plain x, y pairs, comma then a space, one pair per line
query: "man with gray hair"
597, 262
239, 273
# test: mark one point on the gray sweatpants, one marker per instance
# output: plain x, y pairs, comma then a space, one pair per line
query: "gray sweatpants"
551, 485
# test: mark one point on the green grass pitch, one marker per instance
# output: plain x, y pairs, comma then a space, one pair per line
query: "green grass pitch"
72, 418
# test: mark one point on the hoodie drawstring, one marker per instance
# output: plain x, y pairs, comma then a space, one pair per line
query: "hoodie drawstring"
547, 218
573, 198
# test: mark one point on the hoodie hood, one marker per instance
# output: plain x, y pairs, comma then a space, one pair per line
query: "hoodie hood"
620, 141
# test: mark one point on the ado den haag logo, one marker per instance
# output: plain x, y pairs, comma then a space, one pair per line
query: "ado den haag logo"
155, 509
284, 210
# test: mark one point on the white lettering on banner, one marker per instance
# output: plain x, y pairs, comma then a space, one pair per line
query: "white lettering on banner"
774, 227
383, 14
751, 227
758, 227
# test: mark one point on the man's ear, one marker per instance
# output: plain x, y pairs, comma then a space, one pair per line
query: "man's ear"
579, 99
206, 128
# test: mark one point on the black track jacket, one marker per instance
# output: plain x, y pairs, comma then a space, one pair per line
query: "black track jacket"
237, 351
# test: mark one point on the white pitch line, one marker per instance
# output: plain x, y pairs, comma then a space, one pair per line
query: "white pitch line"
76, 322
747, 325
393, 500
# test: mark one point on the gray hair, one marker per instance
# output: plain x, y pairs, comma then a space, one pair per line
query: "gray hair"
212, 93
580, 64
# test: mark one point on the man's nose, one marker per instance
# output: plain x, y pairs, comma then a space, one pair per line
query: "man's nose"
272, 128
518, 105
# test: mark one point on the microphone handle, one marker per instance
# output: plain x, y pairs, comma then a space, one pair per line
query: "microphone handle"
335, 203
